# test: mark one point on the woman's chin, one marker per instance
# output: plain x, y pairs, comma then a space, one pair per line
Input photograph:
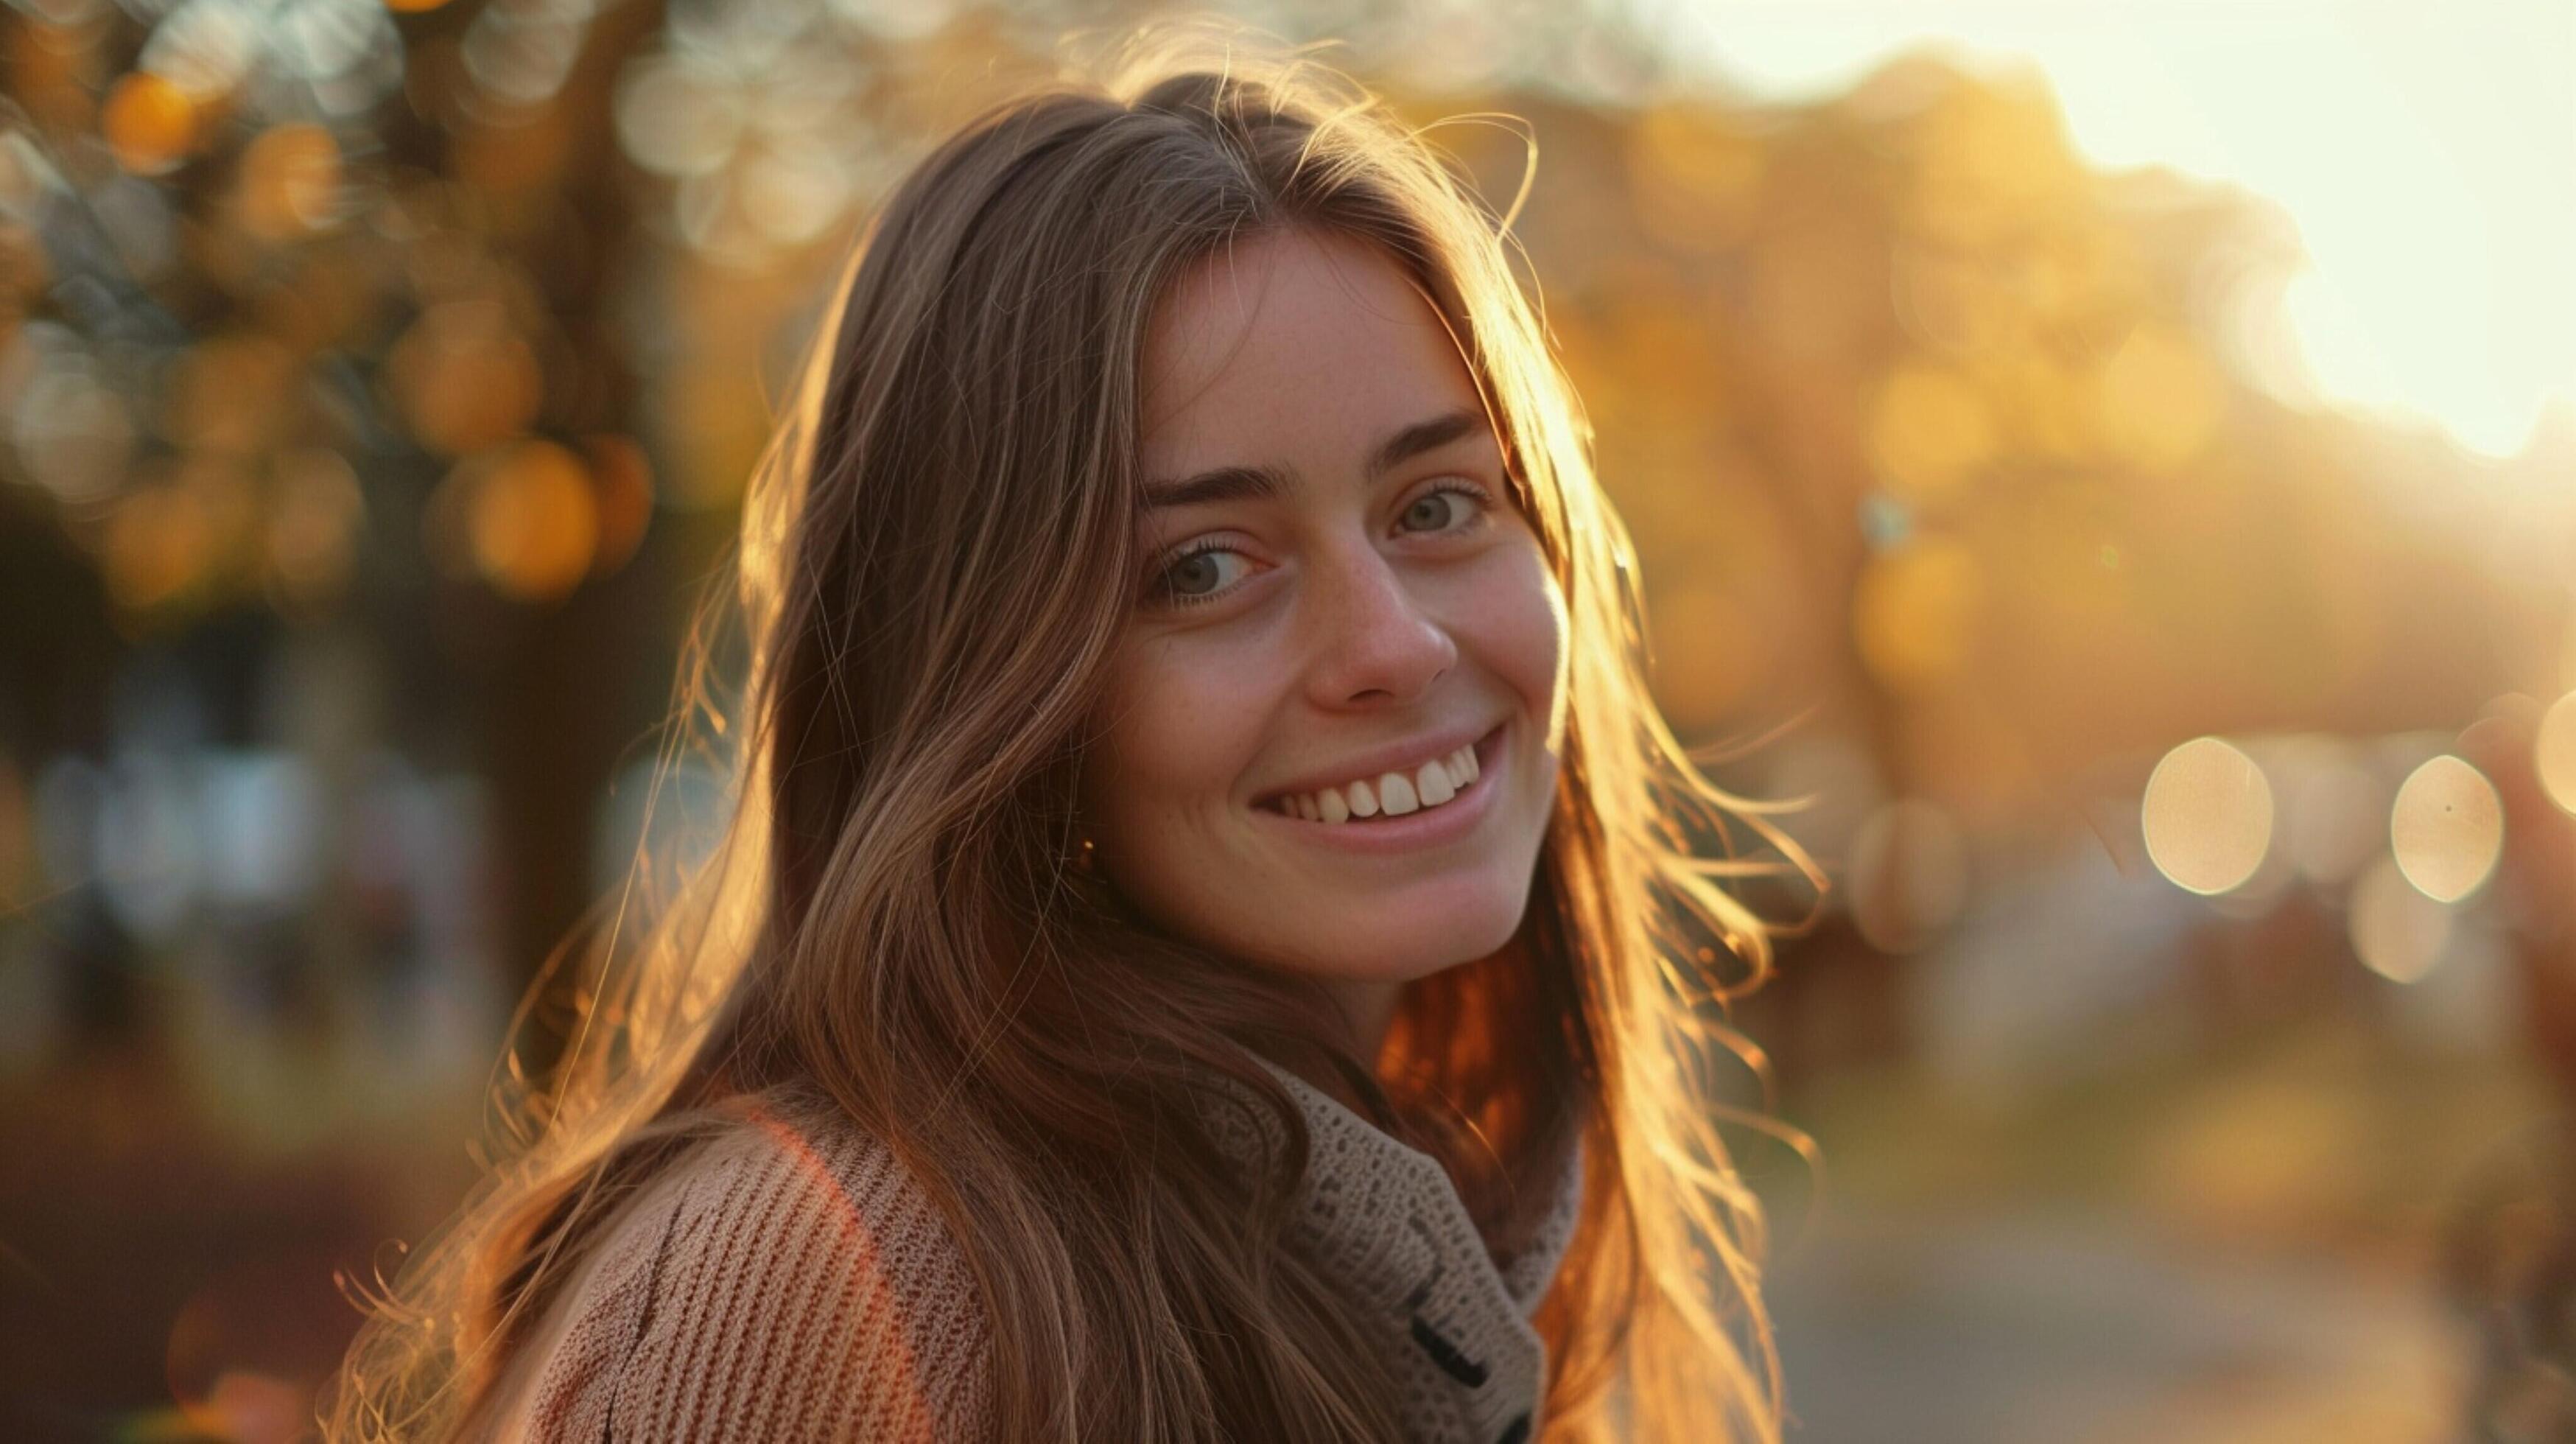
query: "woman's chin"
1401, 950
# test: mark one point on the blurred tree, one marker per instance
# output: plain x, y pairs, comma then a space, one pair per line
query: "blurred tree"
460, 324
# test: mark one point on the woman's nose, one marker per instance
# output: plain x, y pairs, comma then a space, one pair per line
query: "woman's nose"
1371, 639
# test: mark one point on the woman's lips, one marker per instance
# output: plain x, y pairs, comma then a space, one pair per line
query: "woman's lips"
1423, 827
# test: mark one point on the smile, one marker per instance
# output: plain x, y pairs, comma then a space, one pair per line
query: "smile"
1433, 802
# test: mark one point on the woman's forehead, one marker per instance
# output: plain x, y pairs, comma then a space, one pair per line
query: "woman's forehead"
1288, 338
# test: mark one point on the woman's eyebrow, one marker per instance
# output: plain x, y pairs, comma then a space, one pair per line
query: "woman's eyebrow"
1225, 483
1243, 483
1423, 436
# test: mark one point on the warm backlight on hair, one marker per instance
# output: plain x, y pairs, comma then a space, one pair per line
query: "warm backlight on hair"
2447, 828
2207, 815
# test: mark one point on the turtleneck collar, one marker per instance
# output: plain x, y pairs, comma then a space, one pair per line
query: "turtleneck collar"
1383, 1221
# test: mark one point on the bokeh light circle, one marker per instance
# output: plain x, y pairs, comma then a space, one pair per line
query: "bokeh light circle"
2207, 816
676, 119
2446, 828
2554, 753
2397, 931
533, 521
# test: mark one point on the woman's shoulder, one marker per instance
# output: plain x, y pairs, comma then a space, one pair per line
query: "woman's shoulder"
788, 1278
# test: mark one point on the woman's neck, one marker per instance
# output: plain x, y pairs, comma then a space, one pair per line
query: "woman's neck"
1368, 1009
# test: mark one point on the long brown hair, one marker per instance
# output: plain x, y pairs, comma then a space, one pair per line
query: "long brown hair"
937, 560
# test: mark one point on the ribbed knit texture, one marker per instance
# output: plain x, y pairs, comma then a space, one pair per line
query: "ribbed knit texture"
786, 1284
1383, 1221
796, 1284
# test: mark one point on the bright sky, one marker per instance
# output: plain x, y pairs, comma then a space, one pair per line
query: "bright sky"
2426, 148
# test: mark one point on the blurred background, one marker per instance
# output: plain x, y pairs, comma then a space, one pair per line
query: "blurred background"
2117, 460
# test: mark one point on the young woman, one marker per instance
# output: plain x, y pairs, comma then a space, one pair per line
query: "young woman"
1200, 952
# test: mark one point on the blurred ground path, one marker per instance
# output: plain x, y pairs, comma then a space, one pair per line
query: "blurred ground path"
2041, 1328
2235, 1241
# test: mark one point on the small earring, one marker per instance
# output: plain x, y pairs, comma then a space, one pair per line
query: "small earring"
1085, 857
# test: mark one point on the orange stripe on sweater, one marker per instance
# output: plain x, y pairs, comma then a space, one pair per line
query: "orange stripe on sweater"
880, 1301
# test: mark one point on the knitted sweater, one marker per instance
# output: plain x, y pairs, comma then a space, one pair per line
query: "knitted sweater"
796, 1284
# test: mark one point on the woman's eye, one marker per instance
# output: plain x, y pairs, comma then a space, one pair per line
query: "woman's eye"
1208, 570
1445, 508
1198, 575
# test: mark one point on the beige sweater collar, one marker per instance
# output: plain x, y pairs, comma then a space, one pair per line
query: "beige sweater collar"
1382, 1219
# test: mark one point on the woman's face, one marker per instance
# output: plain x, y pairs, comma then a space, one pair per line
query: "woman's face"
1331, 742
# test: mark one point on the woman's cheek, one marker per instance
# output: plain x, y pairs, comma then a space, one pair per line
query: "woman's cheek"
1526, 626
1174, 747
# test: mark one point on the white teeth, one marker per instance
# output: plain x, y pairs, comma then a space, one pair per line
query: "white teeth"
1395, 794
